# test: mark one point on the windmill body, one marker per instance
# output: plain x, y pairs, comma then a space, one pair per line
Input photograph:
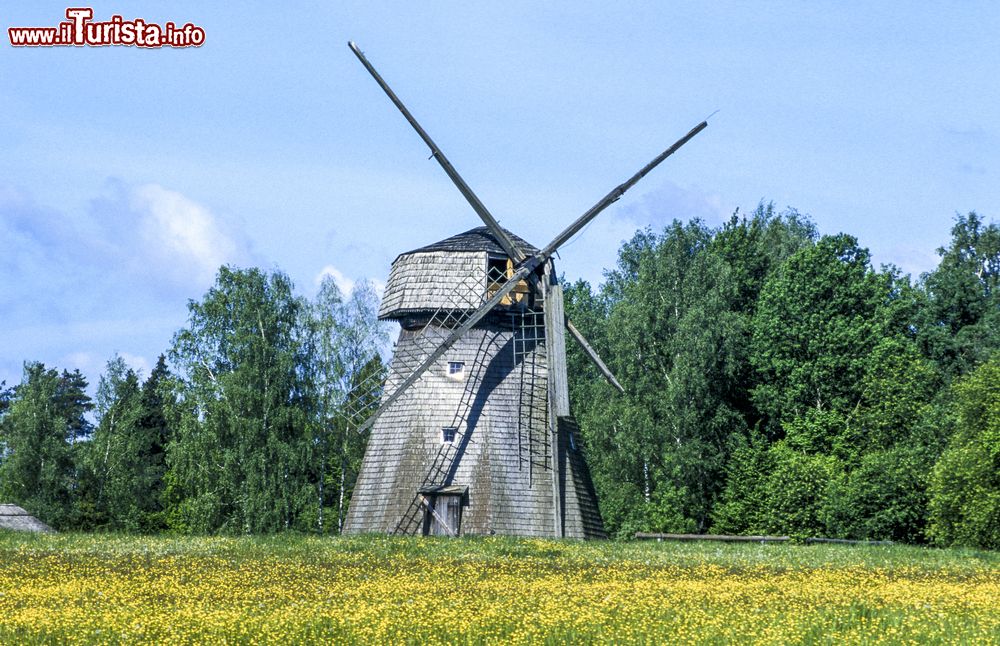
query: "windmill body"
472, 433
469, 448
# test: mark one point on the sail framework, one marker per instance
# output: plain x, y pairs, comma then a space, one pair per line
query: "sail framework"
473, 417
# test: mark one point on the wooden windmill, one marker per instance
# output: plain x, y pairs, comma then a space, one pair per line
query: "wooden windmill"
472, 432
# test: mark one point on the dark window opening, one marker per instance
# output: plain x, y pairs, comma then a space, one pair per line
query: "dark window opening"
448, 434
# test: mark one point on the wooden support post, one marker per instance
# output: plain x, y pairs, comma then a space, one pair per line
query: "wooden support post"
556, 357
555, 344
594, 357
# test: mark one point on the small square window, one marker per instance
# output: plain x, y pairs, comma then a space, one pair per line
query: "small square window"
456, 369
448, 434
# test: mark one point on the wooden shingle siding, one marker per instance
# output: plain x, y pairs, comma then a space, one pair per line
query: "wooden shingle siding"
477, 239
502, 444
423, 282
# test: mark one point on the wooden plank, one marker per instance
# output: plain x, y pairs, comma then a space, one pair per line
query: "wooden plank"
846, 541
711, 537
593, 356
552, 290
555, 345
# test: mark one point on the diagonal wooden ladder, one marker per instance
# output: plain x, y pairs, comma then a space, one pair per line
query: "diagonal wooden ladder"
448, 453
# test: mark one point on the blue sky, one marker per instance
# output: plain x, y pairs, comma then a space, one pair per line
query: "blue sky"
127, 176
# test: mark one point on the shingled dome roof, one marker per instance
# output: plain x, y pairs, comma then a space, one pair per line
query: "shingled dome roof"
478, 239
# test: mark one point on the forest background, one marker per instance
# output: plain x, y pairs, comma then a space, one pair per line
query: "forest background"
776, 382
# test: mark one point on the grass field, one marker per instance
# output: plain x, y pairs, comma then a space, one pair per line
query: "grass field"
293, 589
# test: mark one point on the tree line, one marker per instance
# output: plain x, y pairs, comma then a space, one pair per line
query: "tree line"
240, 435
775, 383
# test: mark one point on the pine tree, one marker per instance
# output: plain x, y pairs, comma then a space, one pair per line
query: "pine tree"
37, 471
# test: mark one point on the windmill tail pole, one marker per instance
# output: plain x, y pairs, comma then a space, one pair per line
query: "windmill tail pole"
618, 191
594, 357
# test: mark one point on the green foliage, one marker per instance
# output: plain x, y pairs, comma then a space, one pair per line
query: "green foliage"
241, 458
677, 335
959, 323
346, 340
818, 319
258, 441
797, 492
123, 464
839, 371
155, 436
896, 394
775, 383
965, 486
45, 415
816, 431
743, 505
73, 404
6, 395
671, 343
884, 497
109, 459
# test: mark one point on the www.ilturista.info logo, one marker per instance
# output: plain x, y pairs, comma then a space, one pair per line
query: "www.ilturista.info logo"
80, 30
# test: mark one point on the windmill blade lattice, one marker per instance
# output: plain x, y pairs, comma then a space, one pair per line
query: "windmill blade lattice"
498, 232
489, 427
460, 307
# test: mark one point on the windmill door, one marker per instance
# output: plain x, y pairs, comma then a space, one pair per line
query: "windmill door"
443, 511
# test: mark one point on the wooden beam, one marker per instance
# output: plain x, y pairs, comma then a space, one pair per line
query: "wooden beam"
846, 541
617, 192
549, 285
505, 241
555, 345
593, 356
712, 537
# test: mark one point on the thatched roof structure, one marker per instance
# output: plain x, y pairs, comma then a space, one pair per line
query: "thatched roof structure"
14, 518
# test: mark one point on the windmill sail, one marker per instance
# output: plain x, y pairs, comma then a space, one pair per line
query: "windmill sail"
474, 412
501, 236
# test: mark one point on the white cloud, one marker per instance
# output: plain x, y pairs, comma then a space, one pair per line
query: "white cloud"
139, 364
344, 284
86, 362
83, 284
183, 235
